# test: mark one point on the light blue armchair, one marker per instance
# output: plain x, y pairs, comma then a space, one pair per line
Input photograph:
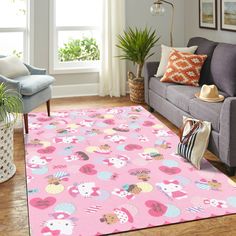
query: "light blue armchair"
35, 89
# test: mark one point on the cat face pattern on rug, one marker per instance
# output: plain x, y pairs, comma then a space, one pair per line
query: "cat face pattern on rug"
116, 168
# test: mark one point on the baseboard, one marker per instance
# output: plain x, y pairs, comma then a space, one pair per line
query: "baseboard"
76, 90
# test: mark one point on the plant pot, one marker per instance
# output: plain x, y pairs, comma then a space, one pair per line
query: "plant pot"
136, 87
7, 166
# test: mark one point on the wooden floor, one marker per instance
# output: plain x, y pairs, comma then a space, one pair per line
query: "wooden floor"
13, 205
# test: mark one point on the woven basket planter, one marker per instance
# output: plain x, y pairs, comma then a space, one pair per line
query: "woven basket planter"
7, 166
136, 88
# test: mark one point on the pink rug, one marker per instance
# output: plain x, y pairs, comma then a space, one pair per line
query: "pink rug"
102, 171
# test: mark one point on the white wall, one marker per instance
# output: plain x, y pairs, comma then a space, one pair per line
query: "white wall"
192, 25
137, 14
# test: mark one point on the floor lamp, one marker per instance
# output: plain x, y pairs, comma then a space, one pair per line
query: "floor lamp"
158, 9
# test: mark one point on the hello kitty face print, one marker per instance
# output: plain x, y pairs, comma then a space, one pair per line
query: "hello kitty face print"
62, 222
57, 227
216, 203
110, 170
116, 138
87, 123
66, 140
37, 161
117, 162
84, 189
172, 189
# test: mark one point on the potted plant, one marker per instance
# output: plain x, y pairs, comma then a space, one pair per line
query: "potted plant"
10, 106
136, 45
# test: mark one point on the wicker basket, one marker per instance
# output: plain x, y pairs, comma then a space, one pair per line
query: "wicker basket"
7, 166
136, 87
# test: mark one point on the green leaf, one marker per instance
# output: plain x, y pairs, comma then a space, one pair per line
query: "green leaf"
85, 49
10, 104
136, 44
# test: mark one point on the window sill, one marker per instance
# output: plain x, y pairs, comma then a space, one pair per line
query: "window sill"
57, 71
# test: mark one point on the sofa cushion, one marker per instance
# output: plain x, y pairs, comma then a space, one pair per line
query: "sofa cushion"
159, 87
223, 68
180, 95
206, 111
165, 54
32, 84
184, 68
206, 47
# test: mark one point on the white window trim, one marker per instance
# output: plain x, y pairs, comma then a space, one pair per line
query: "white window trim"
27, 32
56, 67
30, 37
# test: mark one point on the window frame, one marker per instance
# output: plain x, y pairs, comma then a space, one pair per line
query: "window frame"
55, 67
27, 32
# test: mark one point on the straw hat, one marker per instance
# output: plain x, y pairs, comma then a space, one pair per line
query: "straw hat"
209, 93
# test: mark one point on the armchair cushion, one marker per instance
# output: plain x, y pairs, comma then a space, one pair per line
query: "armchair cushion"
32, 84
12, 67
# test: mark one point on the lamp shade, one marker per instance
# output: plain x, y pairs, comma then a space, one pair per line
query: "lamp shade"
157, 9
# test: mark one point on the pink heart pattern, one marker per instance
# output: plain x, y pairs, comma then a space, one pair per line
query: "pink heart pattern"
157, 209
148, 123
117, 173
170, 170
88, 169
47, 150
133, 147
109, 122
42, 204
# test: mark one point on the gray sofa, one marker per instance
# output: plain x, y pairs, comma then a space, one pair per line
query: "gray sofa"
175, 101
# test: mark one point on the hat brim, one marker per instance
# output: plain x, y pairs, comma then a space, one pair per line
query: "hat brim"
218, 99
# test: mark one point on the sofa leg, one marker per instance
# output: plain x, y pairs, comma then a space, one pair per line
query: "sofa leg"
26, 123
48, 107
151, 109
230, 170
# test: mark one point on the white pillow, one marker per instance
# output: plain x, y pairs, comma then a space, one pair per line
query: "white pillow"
12, 67
165, 53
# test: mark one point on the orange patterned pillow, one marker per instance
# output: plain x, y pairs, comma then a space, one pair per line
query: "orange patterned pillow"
184, 68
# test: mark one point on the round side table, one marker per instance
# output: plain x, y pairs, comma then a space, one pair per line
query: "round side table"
7, 166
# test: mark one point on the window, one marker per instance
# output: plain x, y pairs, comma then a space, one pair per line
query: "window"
14, 30
75, 35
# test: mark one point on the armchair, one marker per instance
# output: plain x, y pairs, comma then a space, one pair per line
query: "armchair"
35, 89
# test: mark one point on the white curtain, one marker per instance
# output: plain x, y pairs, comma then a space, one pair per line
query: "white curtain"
112, 79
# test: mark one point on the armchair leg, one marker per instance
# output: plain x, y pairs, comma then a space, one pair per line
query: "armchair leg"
26, 123
48, 107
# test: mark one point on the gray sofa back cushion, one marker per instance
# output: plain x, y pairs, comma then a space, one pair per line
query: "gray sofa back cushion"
205, 47
223, 68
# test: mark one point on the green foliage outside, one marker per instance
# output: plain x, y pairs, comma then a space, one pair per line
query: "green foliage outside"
85, 49
17, 53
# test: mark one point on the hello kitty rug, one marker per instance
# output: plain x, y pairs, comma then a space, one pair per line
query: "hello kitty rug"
103, 171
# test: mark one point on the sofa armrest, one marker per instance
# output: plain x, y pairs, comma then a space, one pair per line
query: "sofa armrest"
10, 83
35, 71
227, 139
150, 69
